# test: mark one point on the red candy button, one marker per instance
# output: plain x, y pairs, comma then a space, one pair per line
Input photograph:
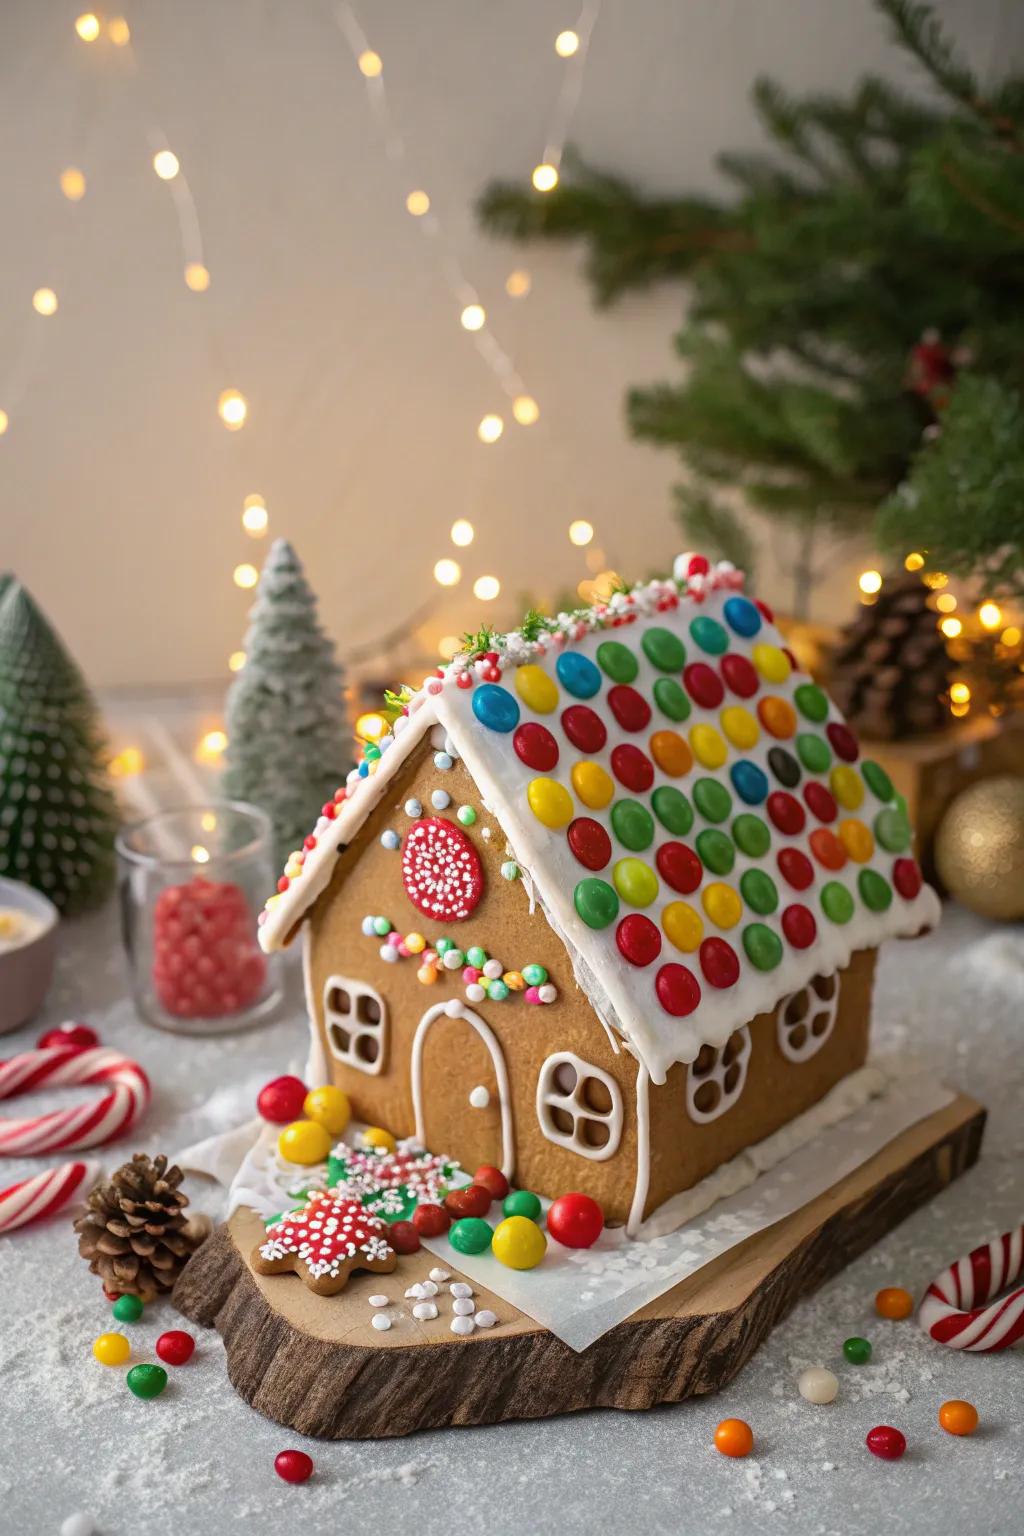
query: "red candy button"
589, 842
764, 610
719, 963
281, 1099
474, 1200
638, 939
175, 1347
493, 1179
906, 877
535, 746
575, 1220
584, 728
678, 990
799, 926
403, 1237
71, 1034
431, 1220
786, 812
630, 708
844, 742
819, 802
703, 685
699, 565
740, 675
679, 867
827, 848
441, 870
795, 868
887, 1442
293, 1466
632, 768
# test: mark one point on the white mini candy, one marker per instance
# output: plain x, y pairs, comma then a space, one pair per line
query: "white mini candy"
462, 1325
368, 927
377, 1301
438, 1275
486, 1318
547, 993
381, 1322
493, 970
413, 808
78, 1524
425, 1310
453, 959
475, 992
440, 799
463, 1307
460, 1288
390, 839
428, 1288
414, 1290
817, 1385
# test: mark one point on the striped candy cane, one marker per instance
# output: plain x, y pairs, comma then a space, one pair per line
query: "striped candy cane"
84, 1125
43, 1194
958, 1308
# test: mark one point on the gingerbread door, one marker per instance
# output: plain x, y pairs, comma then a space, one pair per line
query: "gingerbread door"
460, 1088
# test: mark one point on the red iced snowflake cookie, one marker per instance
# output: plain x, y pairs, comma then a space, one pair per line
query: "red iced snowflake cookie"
441, 869
323, 1242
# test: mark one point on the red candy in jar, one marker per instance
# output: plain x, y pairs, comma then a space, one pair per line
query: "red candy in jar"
206, 962
175, 1347
68, 1034
474, 1200
575, 1220
492, 1179
293, 1466
886, 1442
431, 1220
403, 1237
281, 1100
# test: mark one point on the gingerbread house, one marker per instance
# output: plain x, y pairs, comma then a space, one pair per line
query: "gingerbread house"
602, 907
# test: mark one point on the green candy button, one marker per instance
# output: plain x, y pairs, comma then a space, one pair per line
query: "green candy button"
712, 799
758, 891
752, 836
521, 1202
857, 1351
814, 753
127, 1309
710, 636
671, 699
146, 1380
892, 830
470, 1235
716, 852
617, 661
632, 824
811, 702
764, 948
672, 809
874, 890
836, 902
596, 903
877, 780
635, 882
664, 650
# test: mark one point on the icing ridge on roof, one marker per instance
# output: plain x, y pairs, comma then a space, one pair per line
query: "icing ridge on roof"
690, 807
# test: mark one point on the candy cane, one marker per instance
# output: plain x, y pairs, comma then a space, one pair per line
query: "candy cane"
85, 1125
43, 1194
954, 1310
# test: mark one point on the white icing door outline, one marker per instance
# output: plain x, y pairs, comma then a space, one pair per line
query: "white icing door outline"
456, 1010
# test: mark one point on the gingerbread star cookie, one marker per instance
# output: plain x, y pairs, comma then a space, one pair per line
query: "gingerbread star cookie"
323, 1242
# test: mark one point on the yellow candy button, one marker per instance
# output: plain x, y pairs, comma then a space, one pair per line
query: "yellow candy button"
111, 1349
856, 838
329, 1107
772, 663
683, 926
635, 882
550, 802
739, 726
592, 784
518, 1243
304, 1142
722, 904
376, 1136
708, 747
846, 786
537, 690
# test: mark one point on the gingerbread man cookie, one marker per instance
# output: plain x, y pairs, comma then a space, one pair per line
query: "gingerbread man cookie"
323, 1242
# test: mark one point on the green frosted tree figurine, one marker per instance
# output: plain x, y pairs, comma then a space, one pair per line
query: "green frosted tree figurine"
58, 816
288, 733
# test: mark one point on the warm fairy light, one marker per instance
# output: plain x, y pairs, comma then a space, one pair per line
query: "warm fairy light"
870, 582
525, 410
991, 615
566, 44
245, 575
462, 532
208, 821
490, 428
951, 627
606, 582
447, 573
935, 579
255, 516
236, 661
127, 763
914, 561
371, 727
232, 408
44, 301
585, 591
959, 710
197, 277
945, 602
959, 693
211, 746
486, 588
518, 284
595, 559
1010, 636
198, 854
119, 32
166, 164
72, 184
5, 422
448, 647
545, 178
473, 317
88, 27
418, 203
580, 532
370, 64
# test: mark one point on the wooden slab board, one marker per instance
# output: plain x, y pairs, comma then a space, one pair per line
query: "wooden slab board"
314, 1363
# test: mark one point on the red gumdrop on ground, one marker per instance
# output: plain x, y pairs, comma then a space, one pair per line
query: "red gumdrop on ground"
474, 1200
281, 1100
492, 1179
575, 1220
293, 1466
68, 1034
431, 1220
886, 1442
403, 1237
175, 1347
206, 962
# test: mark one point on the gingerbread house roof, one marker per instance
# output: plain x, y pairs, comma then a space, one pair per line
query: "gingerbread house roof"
693, 814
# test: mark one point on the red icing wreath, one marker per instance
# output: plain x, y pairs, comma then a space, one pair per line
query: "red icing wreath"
441, 869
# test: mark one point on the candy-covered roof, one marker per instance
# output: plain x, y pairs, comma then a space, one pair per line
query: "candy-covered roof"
694, 815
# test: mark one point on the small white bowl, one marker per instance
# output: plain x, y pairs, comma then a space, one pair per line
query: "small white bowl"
27, 970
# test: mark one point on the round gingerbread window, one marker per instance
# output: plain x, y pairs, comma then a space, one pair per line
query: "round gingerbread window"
441, 870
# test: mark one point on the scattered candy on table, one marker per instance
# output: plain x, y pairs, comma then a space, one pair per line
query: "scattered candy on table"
734, 1437
470, 1235
146, 1381
293, 1466
886, 1442
111, 1349
575, 1220
304, 1142
817, 1385
376, 1136
329, 1107
404, 1237
493, 1180
431, 1220
175, 1347
958, 1418
894, 1302
473, 1200
518, 1243
380, 1322
281, 1100
127, 1309
521, 1202
78, 1524
857, 1351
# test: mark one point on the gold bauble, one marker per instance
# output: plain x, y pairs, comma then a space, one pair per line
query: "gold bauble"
979, 848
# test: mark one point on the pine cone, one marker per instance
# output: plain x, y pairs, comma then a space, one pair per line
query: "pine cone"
134, 1234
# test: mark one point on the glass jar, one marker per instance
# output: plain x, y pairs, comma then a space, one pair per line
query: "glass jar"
191, 883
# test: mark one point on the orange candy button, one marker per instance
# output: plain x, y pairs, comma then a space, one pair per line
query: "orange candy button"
733, 1437
958, 1418
828, 851
777, 716
857, 840
671, 753
894, 1302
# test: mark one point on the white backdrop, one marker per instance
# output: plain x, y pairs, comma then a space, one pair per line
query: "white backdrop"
121, 490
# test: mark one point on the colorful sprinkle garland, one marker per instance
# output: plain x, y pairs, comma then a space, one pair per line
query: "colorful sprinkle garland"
482, 976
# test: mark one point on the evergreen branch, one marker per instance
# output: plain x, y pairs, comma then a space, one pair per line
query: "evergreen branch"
917, 29
787, 121
977, 199
476, 643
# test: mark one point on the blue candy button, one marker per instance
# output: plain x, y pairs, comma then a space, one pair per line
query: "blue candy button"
578, 675
495, 707
749, 782
742, 616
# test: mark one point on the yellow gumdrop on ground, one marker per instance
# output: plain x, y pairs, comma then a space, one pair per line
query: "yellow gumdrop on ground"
376, 1136
304, 1142
683, 926
111, 1349
593, 785
518, 1243
550, 802
537, 690
708, 747
772, 663
329, 1107
857, 839
722, 904
846, 786
739, 726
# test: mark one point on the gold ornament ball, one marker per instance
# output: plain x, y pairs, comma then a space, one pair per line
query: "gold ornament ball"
979, 849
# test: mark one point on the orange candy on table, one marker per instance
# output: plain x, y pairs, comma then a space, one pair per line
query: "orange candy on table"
894, 1302
958, 1418
733, 1437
